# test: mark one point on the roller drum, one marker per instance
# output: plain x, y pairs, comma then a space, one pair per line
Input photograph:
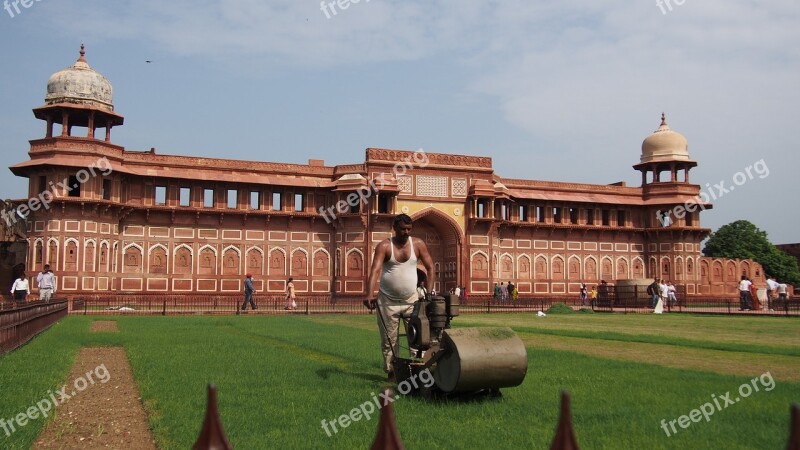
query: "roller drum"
480, 358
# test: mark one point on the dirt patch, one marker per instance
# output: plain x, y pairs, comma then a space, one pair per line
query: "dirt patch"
104, 408
104, 326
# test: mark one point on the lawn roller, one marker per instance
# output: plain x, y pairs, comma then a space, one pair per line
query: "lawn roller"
463, 361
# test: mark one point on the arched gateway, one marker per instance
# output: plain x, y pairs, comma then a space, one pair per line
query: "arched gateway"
444, 240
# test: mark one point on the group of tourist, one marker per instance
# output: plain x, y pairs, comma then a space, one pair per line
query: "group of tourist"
661, 292
748, 294
505, 291
46, 281
460, 292
249, 290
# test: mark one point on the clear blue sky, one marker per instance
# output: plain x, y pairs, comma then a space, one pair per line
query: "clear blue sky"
550, 90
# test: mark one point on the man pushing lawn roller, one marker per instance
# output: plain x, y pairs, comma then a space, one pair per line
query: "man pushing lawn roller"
395, 259
463, 361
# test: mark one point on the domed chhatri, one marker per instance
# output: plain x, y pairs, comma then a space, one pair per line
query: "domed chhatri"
80, 84
664, 145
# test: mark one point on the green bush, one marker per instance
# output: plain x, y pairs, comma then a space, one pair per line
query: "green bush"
560, 308
586, 311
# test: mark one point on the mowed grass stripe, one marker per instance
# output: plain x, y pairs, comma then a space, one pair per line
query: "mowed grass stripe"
630, 348
784, 368
779, 332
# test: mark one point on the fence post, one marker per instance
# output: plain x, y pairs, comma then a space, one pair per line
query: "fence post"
164, 308
307, 313
565, 434
212, 435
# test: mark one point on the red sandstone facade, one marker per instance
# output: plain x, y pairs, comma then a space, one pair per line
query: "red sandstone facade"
151, 223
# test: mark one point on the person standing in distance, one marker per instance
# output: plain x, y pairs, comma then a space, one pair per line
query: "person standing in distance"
248, 293
395, 264
47, 283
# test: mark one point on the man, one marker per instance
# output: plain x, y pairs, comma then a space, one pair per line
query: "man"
511, 291
744, 294
395, 264
782, 296
503, 293
457, 292
47, 283
248, 293
772, 286
652, 291
672, 298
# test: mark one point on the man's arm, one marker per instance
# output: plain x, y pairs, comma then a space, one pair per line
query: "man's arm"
377, 264
427, 262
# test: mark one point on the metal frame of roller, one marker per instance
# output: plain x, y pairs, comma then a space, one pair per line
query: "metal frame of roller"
463, 361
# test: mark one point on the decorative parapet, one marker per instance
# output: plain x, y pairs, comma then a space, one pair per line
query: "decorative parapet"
435, 159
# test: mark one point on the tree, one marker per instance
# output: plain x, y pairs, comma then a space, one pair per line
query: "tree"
743, 240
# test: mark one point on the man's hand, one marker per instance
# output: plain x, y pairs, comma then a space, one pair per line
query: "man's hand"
370, 304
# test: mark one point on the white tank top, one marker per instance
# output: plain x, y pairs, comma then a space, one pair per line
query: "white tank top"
399, 280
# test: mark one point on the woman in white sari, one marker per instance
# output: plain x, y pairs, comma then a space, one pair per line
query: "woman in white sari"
663, 291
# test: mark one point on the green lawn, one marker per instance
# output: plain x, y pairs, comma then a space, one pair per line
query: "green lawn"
278, 377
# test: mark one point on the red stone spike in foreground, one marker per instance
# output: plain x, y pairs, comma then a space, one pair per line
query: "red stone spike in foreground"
212, 436
565, 435
794, 429
388, 438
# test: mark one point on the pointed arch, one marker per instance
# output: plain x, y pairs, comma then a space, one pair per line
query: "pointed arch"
524, 267
590, 266
231, 260
132, 258
254, 260
277, 261
678, 268
558, 268
574, 268
541, 268
637, 264
38, 252
89, 253
71, 254
354, 263
506, 267
299, 262
322, 263
606, 268
157, 260
52, 254
182, 260
479, 264
622, 272
103, 256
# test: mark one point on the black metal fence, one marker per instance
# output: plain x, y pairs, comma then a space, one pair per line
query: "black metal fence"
629, 301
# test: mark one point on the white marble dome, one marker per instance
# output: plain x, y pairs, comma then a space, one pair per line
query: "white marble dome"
80, 84
664, 145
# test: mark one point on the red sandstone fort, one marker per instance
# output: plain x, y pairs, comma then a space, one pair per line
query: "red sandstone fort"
110, 220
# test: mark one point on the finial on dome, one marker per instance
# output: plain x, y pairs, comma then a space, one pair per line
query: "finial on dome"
663, 119
83, 53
